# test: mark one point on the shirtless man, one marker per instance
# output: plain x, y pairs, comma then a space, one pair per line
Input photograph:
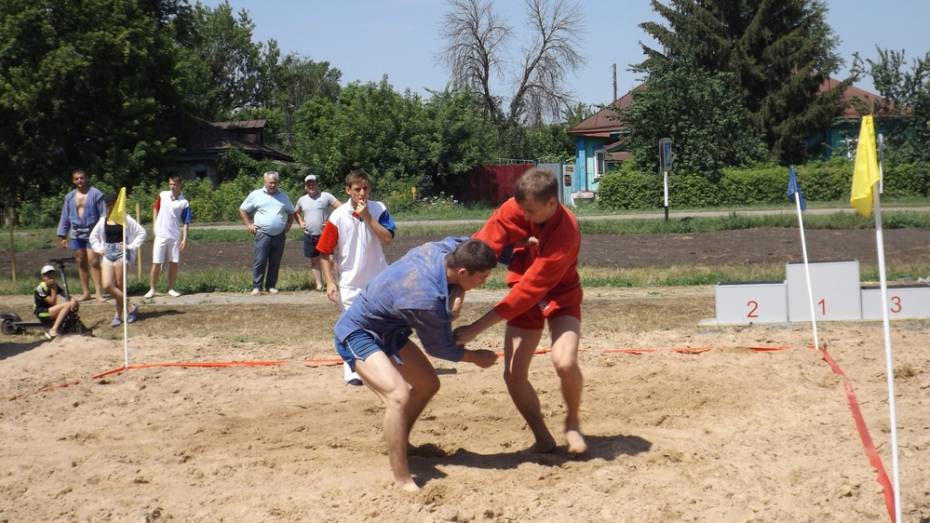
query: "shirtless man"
83, 208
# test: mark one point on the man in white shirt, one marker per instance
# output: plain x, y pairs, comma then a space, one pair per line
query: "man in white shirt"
172, 217
351, 246
312, 212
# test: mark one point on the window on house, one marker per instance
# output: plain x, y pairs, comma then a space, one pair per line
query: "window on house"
600, 165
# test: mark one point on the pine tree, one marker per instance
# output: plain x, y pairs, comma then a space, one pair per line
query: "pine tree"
781, 51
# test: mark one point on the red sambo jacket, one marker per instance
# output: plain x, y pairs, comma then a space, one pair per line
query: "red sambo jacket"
544, 275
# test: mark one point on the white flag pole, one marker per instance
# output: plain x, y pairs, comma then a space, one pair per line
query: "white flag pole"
807, 270
886, 327
125, 301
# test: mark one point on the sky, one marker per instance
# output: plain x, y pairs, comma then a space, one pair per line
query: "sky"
366, 39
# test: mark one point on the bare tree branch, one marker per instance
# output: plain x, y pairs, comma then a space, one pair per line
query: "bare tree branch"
474, 52
541, 87
474, 35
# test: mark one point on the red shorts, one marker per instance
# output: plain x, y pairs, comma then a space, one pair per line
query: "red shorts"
534, 319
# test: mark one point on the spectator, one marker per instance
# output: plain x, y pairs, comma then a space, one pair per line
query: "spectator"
273, 215
107, 240
172, 217
351, 246
82, 209
46, 307
313, 210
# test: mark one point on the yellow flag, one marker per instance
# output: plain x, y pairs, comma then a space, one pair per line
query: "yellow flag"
865, 173
118, 213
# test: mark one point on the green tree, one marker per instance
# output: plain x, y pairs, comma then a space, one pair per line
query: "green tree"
551, 142
701, 112
220, 68
84, 84
906, 109
779, 51
398, 138
295, 81
461, 137
369, 125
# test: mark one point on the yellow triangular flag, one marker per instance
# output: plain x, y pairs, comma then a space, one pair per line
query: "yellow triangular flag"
865, 173
118, 213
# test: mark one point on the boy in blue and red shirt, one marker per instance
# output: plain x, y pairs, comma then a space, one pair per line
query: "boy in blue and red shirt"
544, 287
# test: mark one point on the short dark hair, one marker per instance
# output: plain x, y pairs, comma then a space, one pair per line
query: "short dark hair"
176, 177
109, 198
472, 255
357, 175
537, 184
78, 171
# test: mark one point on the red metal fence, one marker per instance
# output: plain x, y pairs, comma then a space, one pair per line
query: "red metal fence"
491, 184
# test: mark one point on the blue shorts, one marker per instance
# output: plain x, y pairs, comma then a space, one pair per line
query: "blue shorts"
361, 344
113, 252
77, 244
310, 241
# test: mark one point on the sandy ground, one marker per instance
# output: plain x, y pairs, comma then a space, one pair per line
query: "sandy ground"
726, 435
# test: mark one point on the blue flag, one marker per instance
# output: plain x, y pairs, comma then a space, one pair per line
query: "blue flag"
794, 188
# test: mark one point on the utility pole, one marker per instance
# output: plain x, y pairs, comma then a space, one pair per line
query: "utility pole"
615, 82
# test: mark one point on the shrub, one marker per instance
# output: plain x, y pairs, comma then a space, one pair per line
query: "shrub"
753, 185
760, 184
906, 180
630, 190
825, 181
692, 191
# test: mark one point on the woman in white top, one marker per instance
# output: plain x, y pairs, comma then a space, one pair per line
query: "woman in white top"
106, 239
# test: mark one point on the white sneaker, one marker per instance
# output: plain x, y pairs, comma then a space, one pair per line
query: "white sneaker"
151, 294
272, 291
173, 293
255, 292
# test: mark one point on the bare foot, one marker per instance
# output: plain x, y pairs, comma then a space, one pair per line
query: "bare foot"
407, 486
83, 297
101, 299
576, 442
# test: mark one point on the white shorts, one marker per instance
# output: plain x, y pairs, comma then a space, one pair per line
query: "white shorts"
166, 249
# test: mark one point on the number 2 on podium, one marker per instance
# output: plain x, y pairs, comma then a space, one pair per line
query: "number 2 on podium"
753, 307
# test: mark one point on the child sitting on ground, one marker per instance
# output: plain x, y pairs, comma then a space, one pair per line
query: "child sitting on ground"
46, 307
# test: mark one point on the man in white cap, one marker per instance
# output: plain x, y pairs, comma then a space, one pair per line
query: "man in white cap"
46, 307
312, 211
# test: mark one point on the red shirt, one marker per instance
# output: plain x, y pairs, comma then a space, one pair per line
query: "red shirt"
544, 274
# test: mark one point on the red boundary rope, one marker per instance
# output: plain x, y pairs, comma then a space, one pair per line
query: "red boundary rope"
186, 364
868, 446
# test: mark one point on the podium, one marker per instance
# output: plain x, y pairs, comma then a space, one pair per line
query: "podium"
904, 301
751, 302
837, 291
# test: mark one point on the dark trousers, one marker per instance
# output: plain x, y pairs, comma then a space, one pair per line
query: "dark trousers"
268, 253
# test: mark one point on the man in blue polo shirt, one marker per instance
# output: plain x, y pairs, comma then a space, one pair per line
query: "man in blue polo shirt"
412, 295
267, 214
